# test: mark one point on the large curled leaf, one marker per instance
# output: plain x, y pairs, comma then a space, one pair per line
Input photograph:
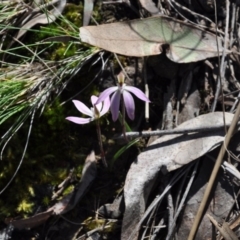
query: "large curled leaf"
169, 152
183, 42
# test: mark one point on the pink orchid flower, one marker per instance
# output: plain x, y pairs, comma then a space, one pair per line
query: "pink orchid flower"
125, 91
98, 110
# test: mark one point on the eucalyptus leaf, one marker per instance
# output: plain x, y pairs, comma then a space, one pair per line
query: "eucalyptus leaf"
169, 153
182, 42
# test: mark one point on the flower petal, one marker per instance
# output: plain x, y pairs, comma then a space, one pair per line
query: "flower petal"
115, 103
94, 99
78, 120
129, 104
81, 107
99, 105
137, 92
106, 106
106, 93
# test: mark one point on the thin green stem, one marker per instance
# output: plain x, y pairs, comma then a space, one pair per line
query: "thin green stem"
100, 143
123, 119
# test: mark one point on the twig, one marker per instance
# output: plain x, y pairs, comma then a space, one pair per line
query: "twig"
222, 67
62, 186
148, 221
171, 229
193, 14
146, 90
158, 228
235, 103
225, 231
159, 198
217, 165
154, 211
169, 132
120, 64
233, 24
170, 211
231, 169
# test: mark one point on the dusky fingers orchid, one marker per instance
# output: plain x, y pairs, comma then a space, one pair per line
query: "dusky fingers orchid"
122, 90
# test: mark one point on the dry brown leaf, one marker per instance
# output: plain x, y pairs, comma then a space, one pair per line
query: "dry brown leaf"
170, 152
182, 42
33, 221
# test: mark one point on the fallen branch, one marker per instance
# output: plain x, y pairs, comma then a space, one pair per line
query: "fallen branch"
169, 132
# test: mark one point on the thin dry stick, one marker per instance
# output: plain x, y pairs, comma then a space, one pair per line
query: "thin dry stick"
217, 165
193, 14
225, 230
172, 226
170, 210
159, 198
160, 225
222, 67
233, 24
171, 131
231, 169
152, 215
146, 90
120, 64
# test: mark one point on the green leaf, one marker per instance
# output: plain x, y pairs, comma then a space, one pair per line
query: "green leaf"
123, 149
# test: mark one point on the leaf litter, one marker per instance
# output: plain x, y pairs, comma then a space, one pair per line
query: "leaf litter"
168, 153
156, 201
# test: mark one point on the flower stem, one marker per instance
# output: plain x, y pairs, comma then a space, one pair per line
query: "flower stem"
123, 120
100, 143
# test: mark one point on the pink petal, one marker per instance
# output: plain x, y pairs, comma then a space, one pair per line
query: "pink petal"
106, 93
94, 99
99, 105
78, 120
129, 104
115, 103
106, 106
137, 92
81, 107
